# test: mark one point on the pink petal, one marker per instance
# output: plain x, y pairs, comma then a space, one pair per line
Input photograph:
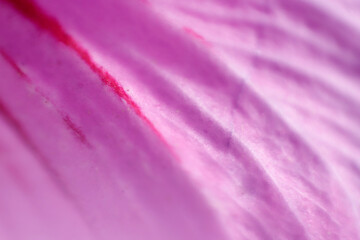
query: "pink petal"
179, 120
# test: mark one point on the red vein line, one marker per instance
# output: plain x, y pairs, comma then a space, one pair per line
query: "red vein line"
12, 63
48, 23
69, 123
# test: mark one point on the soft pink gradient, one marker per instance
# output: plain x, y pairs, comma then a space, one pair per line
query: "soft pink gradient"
179, 120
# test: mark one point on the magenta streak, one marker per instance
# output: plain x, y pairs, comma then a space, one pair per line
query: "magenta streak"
196, 35
76, 130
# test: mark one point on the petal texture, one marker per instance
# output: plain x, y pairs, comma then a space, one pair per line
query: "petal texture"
179, 119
